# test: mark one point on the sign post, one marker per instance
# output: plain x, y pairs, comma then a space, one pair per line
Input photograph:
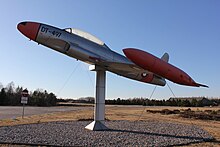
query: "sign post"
24, 99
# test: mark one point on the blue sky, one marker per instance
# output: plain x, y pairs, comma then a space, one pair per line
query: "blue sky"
188, 30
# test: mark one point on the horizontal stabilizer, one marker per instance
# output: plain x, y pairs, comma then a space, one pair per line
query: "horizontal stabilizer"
202, 85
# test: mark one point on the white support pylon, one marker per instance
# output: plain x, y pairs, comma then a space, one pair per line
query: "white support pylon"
99, 114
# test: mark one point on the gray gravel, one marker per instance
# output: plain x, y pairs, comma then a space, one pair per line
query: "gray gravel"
122, 133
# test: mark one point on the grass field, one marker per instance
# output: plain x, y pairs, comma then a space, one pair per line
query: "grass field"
132, 113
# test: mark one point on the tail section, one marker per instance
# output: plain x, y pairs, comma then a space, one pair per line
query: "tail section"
165, 57
201, 85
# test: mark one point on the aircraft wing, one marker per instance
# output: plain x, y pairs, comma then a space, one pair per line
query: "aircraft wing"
123, 67
135, 72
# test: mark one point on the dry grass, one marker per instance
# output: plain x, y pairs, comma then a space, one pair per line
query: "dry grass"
127, 113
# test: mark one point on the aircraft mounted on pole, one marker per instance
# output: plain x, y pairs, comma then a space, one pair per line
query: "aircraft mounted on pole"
136, 64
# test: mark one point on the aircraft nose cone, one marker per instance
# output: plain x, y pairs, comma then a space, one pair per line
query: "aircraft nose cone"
29, 29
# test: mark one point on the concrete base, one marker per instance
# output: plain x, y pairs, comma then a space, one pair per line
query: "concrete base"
96, 126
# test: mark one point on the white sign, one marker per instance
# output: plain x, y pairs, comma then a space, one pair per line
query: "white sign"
24, 100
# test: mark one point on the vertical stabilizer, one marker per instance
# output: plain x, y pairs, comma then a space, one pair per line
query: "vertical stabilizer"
165, 57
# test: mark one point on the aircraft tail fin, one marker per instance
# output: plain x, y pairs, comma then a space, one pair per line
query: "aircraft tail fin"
165, 57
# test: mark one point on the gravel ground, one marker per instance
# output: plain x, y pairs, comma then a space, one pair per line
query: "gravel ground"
122, 133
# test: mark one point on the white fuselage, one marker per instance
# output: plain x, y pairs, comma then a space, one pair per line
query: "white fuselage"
77, 47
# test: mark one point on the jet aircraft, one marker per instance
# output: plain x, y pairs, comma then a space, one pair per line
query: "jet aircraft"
137, 64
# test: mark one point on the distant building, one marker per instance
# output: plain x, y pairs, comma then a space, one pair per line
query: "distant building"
204, 101
188, 98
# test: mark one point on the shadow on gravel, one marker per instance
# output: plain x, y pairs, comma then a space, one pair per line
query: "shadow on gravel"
163, 135
200, 139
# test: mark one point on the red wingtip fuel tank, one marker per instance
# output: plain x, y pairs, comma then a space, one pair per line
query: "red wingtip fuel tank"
154, 64
29, 29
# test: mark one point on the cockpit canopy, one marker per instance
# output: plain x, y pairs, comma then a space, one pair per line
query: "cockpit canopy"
85, 35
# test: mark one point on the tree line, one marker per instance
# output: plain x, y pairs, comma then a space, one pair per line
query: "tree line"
181, 102
11, 96
186, 102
